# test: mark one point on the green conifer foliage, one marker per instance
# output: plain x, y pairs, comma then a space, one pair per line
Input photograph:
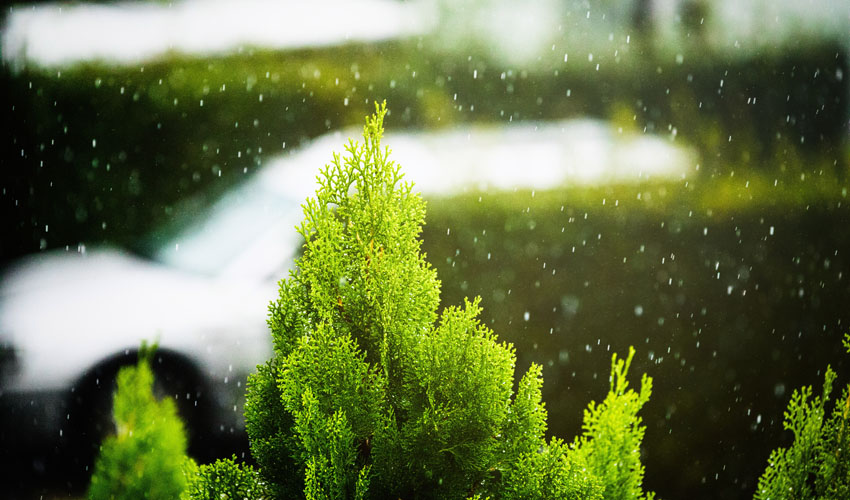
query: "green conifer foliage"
612, 435
549, 473
371, 392
225, 479
145, 458
817, 464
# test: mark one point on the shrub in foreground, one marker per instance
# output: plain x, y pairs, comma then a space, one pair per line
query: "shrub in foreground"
374, 393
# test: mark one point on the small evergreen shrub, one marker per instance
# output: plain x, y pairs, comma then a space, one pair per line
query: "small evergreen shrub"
225, 479
817, 464
373, 393
145, 458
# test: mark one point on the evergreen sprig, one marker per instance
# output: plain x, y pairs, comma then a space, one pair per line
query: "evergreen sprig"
817, 464
613, 432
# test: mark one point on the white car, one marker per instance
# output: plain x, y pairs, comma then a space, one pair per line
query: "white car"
69, 319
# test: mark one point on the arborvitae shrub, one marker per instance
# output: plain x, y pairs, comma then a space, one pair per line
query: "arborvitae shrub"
226, 479
817, 464
373, 393
145, 458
